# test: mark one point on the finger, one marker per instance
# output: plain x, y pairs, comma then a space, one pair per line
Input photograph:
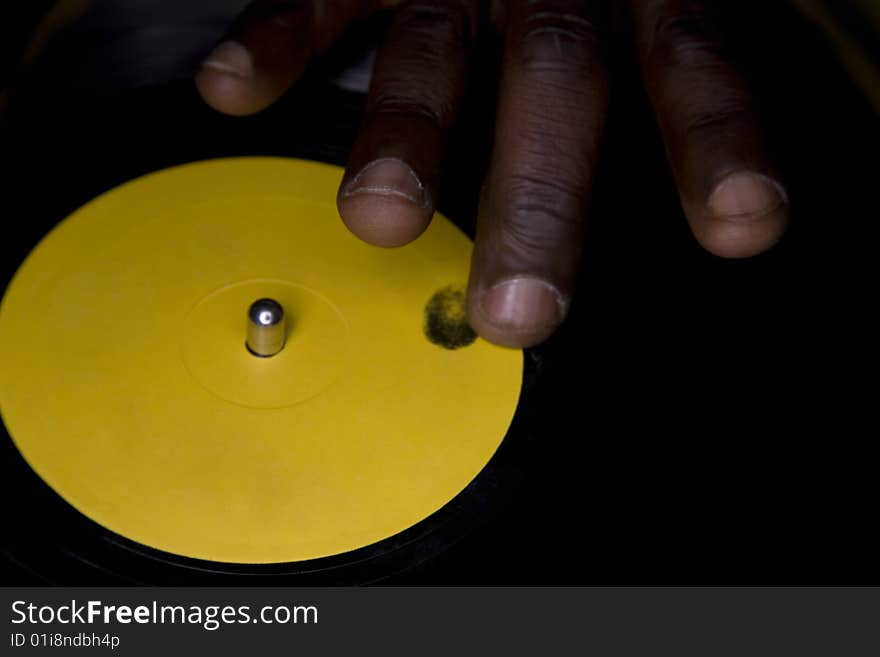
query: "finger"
267, 48
387, 195
551, 113
732, 197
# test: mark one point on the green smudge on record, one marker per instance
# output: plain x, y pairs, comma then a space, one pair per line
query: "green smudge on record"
446, 322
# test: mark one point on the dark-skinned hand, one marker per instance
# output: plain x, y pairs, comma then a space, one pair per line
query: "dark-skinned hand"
552, 99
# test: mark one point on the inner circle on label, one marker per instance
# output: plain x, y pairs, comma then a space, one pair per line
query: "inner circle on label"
215, 353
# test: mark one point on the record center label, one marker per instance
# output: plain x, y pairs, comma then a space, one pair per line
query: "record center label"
137, 401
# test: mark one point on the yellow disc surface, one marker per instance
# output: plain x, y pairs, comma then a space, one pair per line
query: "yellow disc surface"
127, 386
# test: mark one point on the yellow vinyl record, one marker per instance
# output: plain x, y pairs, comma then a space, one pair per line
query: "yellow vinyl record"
128, 386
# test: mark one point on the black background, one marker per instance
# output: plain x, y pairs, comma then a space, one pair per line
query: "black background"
695, 421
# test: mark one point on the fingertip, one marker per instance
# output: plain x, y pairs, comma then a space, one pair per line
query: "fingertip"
385, 203
226, 94
226, 81
746, 214
518, 312
382, 220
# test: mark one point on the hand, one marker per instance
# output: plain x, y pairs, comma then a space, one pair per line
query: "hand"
551, 112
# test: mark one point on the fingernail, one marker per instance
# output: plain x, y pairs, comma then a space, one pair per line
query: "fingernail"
389, 177
523, 304
231, 57
745, 195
